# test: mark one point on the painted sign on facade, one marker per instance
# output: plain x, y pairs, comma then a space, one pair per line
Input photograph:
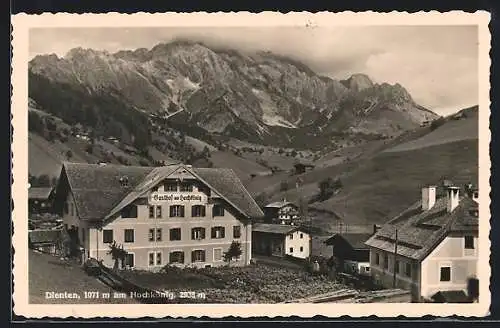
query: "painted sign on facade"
157, 198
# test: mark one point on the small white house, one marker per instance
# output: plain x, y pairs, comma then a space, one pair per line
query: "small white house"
280, 240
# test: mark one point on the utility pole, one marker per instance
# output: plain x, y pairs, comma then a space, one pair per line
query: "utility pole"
395, 259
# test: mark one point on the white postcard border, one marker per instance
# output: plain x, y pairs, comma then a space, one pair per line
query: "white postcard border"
22, 23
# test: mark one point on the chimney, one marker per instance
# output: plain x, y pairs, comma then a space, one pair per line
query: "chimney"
452, 198
376, 228
428, 197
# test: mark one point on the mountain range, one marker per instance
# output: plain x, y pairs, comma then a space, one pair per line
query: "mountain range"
260, 97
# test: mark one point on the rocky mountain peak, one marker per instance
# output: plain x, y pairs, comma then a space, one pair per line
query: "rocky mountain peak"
358, 82
223, 90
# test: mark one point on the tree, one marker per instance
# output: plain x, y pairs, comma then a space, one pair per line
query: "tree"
233, 252
117, 253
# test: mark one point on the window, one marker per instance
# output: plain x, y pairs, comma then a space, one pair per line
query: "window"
129, 211
154, 211
175, 234
154, 189
218, 232
155, 234
186, 187
177, 211
217, 254
129, 260
218, 210
291, 249
301, 248
170, 186
151, 259
291, 236
469, 242
129, 235
377, 259
386, 261
301, 236
445, 274
408, 269
198, 233
236, 232
198, 256
158, 258
197, 211
176, 257
107, 236
397, 266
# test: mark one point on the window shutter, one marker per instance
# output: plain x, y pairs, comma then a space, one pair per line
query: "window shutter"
213, 233
202, 233
182, 211
181, 257
203, 210
193, 258
203, 255
158, 211
223, 232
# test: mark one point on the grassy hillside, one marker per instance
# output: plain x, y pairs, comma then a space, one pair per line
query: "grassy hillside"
241, 166
387, 184
384, 177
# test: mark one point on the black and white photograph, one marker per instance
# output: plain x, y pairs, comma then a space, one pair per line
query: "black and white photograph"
293, 162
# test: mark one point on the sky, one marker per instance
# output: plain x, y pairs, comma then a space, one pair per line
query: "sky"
438, 65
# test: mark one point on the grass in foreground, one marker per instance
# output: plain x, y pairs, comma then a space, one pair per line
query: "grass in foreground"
251, 284
50, 274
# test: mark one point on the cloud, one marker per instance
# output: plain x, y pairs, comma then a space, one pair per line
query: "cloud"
437, 64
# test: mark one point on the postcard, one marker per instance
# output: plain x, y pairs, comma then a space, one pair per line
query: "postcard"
248, 165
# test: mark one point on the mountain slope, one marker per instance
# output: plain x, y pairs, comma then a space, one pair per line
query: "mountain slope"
270, 98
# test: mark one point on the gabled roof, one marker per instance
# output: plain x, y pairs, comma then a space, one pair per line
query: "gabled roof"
356, 240
97, 188
279, 229
99, 194
419, 232
39, 192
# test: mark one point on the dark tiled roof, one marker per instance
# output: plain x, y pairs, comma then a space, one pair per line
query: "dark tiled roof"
419, 232
39, 193
356, 240
44, 236
451, 296
227, 183
99, 193
97, 188
280, 229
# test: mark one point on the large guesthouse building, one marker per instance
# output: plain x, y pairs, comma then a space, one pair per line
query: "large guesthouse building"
175, 214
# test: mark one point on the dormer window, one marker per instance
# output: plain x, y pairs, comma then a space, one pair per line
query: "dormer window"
170, 186
186, 187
